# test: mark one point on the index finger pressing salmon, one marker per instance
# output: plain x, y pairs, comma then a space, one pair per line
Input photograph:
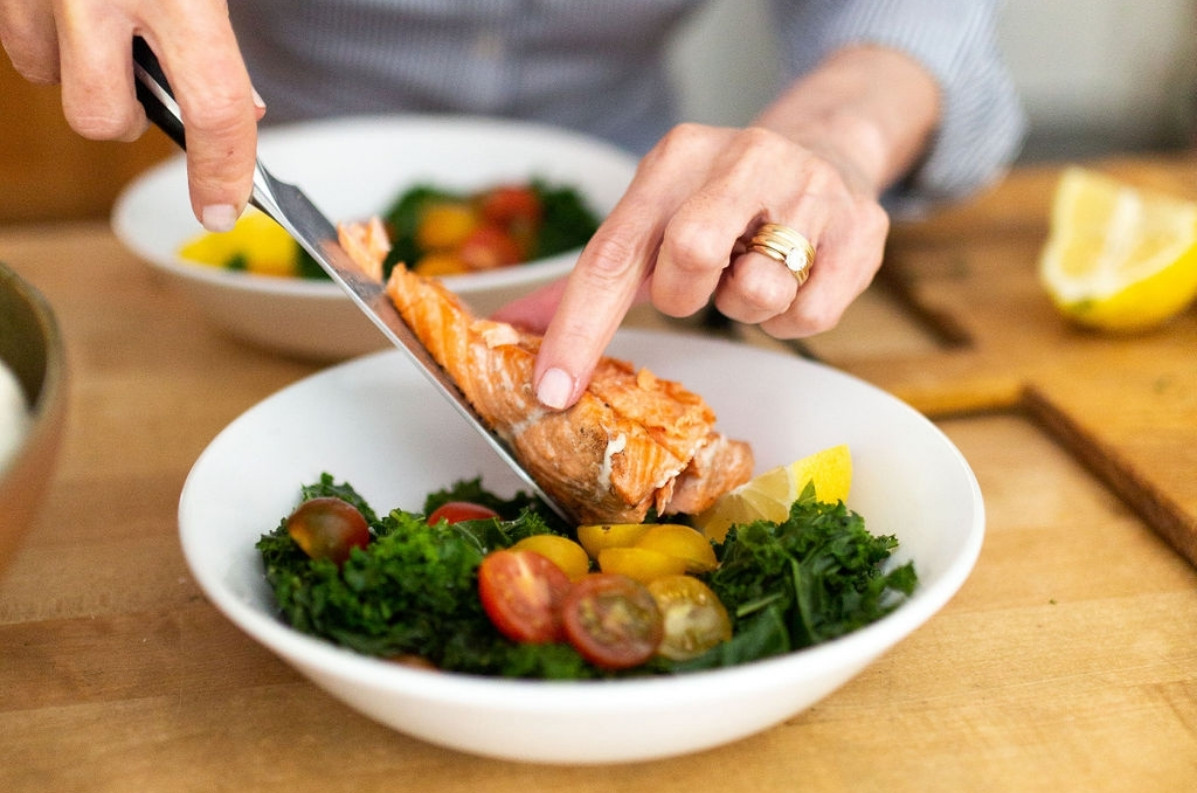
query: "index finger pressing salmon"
631, 442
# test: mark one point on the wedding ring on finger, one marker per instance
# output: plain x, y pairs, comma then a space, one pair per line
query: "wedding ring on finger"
785, 245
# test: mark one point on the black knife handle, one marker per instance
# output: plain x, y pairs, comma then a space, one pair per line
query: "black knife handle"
155, 94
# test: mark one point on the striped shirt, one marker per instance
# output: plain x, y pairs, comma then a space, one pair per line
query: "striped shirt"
599, 66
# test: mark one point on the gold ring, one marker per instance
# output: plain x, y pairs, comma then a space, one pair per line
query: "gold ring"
785, 245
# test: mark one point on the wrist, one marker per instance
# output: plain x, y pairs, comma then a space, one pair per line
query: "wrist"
870, 110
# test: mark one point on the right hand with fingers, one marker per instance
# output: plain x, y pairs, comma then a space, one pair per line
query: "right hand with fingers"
86, 46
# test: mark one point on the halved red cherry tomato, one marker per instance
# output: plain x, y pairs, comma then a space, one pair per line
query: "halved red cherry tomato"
457, 511
510, 204
522, 593
328, 528
488, 247
517, 209
611, 620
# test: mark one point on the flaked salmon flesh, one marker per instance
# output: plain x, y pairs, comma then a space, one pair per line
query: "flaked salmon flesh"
631, 442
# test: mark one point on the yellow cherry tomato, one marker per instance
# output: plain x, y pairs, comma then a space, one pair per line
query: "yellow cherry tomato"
445, 225
441, 263
595, 538
695, 619
642, 564
563, 552
683, 542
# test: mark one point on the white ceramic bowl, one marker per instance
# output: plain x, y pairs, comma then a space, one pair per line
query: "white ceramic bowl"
353, 168
374, 423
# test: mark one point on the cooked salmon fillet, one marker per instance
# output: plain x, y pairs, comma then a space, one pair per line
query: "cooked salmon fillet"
633, 441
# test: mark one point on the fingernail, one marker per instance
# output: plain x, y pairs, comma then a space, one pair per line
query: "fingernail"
259, 102
555, 388
218, 217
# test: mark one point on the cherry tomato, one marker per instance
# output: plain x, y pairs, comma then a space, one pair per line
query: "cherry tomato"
488, 247
522, 593
642, 564
681, 542
457, 511
510, 204
596, 537
445, 225
695, 619
612, 621
563, 552
439, 264
328, 528
518, 210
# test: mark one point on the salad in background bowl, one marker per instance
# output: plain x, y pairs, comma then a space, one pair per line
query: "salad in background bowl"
354, 169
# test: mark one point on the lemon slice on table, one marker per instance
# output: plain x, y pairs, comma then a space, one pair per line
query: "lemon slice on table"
768, 496
1119, 258
256, 243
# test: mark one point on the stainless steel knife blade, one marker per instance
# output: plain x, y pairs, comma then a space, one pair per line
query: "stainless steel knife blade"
292, 210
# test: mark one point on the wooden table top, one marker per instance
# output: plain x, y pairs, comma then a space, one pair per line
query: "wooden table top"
1068, 661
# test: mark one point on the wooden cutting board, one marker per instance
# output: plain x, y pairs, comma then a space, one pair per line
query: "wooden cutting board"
982, 336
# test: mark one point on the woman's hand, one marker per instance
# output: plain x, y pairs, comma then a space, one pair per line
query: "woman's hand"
86, 45
816, 162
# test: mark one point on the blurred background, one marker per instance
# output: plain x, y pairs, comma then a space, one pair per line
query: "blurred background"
1096, 76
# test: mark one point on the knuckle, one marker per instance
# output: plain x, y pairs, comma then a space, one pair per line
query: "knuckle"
678, 142
760, 139
692, 246
877, 219
36, 63
104, 122
217, 114
804, 320
609, 257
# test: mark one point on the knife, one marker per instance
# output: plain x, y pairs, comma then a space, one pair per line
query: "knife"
290, 208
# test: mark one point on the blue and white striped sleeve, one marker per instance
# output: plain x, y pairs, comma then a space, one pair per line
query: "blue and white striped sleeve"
983, 124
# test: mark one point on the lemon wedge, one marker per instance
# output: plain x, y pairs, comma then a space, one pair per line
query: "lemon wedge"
768, 496
1118, 258
256, 242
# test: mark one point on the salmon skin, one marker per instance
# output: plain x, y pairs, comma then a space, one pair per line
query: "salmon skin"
631, 442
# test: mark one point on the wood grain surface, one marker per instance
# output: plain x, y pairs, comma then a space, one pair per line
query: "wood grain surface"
1068, 661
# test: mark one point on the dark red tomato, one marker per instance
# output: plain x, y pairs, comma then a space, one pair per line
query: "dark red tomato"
511, 205
612, 620
328, 528
457, 511
521, 592
490, 246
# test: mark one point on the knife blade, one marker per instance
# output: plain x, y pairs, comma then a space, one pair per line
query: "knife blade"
288, 206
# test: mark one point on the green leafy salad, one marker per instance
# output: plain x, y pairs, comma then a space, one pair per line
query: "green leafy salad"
455, 590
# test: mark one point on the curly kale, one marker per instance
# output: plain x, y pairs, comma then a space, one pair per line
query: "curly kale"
413, 590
